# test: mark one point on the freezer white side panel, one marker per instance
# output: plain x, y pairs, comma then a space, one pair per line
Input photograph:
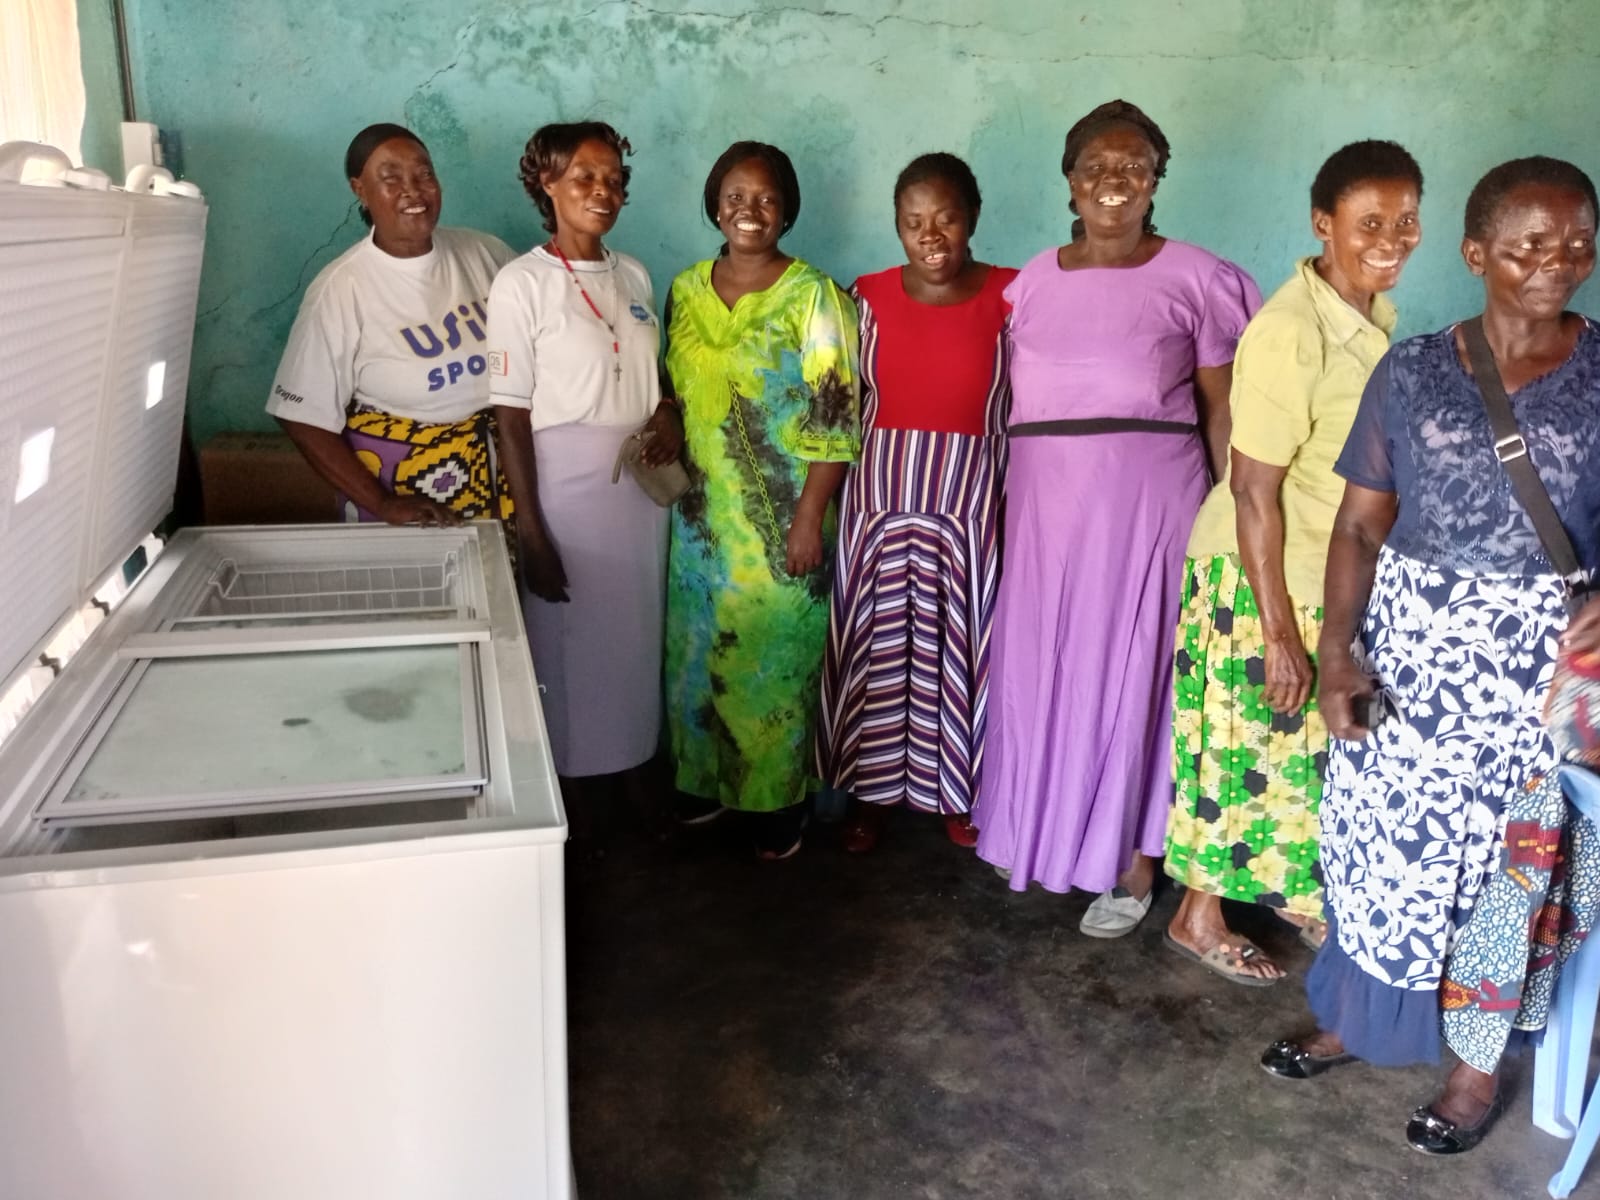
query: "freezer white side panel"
136, 465
56, 301
97, 308
389, 1028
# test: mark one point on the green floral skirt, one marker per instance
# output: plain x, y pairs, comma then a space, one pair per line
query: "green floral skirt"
1249, 780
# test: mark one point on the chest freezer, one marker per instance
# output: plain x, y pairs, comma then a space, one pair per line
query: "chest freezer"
281, 899
281, 884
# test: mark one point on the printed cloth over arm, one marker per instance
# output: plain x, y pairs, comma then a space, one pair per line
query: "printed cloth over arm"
1541, 902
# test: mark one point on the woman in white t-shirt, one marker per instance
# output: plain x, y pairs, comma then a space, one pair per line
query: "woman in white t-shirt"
574, 342
384, 383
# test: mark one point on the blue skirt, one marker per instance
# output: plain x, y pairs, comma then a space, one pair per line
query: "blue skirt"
1413, 816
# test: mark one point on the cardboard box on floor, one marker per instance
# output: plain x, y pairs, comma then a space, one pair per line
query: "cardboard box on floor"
261, 479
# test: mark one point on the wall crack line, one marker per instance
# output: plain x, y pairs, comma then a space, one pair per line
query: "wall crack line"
463, 37
300, 277
820, 14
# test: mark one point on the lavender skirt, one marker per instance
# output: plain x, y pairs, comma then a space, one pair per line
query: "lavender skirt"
598, 657
1077, 764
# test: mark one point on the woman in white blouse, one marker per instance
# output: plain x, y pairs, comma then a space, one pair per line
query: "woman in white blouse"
574, 342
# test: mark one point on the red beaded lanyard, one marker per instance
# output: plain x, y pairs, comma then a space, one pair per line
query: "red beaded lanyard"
616, 347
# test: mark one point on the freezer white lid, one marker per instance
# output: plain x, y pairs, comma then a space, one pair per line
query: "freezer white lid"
280, 731
226, 601
97, 302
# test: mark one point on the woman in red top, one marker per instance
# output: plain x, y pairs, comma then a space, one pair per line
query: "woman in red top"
903, 686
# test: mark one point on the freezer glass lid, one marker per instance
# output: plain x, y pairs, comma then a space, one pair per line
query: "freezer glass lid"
264, 727
284, 683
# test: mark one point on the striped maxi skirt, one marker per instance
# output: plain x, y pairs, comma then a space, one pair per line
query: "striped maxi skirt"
904, 683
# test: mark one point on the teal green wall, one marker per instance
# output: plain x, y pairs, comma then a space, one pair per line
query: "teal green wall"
102, 86
265, 94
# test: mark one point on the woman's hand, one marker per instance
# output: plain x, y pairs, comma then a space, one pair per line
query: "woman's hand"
1289, 674
541, 568
805, 531
415, 510
1583, 634
1340, 685
664, 440
805, 543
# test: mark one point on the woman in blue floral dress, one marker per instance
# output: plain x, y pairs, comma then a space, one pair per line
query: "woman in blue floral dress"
1440, 596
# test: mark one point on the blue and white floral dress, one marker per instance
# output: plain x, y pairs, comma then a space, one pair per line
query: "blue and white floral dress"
1460, 632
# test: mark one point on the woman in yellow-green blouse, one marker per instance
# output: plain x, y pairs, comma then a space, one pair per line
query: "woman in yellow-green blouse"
1250, 744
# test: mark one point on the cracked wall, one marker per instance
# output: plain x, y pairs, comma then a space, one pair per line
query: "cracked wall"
263, 96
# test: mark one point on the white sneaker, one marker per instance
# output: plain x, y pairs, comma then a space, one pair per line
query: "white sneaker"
1114, 913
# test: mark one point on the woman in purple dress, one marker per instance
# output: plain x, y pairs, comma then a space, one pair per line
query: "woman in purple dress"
1121, 355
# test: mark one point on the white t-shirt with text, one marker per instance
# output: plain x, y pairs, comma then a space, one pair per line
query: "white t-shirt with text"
551, 354
405, 336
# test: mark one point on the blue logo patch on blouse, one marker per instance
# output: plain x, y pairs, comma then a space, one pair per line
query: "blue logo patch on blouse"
641, 314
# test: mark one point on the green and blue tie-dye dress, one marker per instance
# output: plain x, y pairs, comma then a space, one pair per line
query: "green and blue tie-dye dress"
768, 387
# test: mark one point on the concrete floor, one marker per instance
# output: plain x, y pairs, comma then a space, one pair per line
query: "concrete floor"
902, 1025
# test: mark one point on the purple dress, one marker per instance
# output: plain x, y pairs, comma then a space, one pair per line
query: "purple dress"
1077, 770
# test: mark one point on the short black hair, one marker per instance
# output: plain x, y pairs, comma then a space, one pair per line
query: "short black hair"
1490, 192
549, 153
1115, 112
1362, 162
951, 170
776, 162
364, 143
1095, 122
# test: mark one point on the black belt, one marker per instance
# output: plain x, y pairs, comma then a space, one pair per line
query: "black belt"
1099, 425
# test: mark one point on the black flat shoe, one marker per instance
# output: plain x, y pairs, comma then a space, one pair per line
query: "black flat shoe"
1430, 1133
1290, 1060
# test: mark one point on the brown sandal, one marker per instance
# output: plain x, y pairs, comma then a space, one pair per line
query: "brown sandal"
1311, 932
1229, 958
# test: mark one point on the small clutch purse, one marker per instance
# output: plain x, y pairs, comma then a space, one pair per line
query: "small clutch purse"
663, 484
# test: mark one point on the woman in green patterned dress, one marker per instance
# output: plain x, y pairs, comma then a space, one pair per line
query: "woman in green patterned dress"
1250, 743
762, 353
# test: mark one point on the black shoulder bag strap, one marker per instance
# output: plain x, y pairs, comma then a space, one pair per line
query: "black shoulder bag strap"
1512, 452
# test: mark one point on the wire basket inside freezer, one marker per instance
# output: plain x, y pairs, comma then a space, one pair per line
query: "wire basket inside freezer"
266, 590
